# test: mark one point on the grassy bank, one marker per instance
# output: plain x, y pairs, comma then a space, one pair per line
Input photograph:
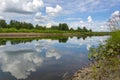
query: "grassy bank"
106, 59
14, 30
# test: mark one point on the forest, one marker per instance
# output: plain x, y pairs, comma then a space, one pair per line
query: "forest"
24, 26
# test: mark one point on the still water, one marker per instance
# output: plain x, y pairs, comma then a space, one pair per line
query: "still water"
45, 59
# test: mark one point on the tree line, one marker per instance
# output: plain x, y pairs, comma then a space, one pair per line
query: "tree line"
24, 25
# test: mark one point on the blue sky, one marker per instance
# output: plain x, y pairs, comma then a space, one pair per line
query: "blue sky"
90, 13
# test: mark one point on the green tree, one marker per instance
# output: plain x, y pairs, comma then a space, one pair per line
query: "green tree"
90, 30
85, 29
39, 27
54, 28
3, 24
79, 29
63, 26
71, 29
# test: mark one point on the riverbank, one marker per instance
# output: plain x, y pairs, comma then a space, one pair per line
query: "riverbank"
103, 70
106, 64
33, 35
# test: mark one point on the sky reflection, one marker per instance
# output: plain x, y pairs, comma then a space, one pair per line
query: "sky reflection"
20, 60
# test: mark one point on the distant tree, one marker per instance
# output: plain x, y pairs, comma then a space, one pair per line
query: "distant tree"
30, 26
9, 26
37, 26
54, 27
40, 27
90, 30
63, 26
15, 24
71, 29
85, 29
79, 29
20, 25
3, 24
44, 28
60, 26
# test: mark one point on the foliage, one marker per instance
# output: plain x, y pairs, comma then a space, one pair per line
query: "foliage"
110, 49
20, 25
84, 29
16, 26
106, 60
3, 24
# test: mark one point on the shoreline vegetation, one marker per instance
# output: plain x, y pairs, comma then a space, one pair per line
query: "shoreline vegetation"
106, 61
16, 29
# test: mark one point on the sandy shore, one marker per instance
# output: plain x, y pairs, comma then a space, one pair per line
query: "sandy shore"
30, 35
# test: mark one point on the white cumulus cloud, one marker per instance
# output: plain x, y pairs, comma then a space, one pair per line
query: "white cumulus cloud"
90, 19
40, 18
20, 6
53, 11
115, 13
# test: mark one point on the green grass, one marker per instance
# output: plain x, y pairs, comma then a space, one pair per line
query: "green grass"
13, 30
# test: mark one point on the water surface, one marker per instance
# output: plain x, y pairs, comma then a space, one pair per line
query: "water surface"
45, 59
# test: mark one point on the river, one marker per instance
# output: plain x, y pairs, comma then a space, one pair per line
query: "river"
45, 59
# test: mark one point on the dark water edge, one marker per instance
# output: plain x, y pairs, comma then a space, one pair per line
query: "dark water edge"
62, 39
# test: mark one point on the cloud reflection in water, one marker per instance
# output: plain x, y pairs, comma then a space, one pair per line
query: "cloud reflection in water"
19, 64
21, 60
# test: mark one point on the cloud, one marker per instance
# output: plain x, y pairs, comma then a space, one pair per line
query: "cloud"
88, 46
90, 24
50, 50
53, 11
33, 6
44, 11
53, 53
40, 18
44, 44
1, 17
82, 6
95, 26
89, 41
48, 25
72, 19
116, 13
81, 21
2, 5
19, 65
20, 6
90, 19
